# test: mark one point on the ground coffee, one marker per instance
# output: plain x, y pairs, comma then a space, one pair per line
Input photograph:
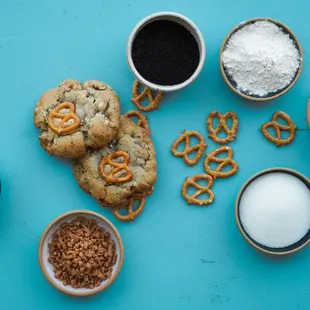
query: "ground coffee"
165, 53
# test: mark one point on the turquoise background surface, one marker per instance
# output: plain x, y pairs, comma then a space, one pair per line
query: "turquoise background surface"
176, 256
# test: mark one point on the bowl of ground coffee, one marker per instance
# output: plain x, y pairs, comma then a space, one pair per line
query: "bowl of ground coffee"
166, 51
261, 59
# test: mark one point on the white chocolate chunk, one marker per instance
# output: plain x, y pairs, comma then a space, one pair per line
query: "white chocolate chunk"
102, 106
69, 123
64, 111
56, 121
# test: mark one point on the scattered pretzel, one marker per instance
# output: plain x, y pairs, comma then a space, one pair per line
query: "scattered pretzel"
69, 120
118, 167
185, 137
142, 119
131, 215
278, 128
192, 181
222, 125
222, 162
147, 92
142, 195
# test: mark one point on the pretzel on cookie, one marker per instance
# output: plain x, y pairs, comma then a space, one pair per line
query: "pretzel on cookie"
131, 213
68, 120
185, 137
222, 163
118, 167
146, 93
200, 189
290, 127
222, 125
142, 119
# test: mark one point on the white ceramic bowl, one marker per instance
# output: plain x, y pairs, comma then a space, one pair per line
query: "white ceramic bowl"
185, 22
46, 238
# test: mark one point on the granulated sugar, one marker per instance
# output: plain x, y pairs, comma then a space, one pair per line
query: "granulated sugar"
275, 210
261, 58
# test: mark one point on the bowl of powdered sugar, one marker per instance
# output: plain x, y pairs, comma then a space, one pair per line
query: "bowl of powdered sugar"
273, 211
261, 59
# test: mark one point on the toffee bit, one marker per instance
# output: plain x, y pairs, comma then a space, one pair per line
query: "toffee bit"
79, 255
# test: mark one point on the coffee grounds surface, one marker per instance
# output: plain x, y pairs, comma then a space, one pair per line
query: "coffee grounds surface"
165, 53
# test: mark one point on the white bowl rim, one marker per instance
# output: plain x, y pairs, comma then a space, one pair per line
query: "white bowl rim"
121, 249
201, 43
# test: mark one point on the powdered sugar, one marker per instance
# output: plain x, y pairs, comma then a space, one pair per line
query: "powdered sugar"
275, 209
261, 58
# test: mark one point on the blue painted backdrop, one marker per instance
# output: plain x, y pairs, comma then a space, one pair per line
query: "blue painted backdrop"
176, 256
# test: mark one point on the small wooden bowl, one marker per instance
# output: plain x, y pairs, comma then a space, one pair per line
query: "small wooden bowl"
268, 250
232, 84
308, 113
47, 267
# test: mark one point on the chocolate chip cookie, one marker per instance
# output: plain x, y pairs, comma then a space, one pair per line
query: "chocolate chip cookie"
76, 116
125, 167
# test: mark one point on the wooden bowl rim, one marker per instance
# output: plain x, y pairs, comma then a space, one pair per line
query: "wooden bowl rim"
308, 112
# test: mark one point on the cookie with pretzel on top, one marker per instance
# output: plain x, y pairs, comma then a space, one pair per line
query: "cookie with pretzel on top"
121, 172
76, 116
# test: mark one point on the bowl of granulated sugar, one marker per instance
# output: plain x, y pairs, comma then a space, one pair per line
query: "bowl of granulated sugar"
261, 59
273, 211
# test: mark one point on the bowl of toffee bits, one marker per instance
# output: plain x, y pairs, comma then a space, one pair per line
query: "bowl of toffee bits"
81, 253
166, 51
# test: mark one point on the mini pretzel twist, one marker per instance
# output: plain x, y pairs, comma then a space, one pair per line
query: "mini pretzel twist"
222, 162
146, 93
192, 181
63, 127
222, 125
118, 167
142, 119
278, 128
185, 137
132, 214
142, 195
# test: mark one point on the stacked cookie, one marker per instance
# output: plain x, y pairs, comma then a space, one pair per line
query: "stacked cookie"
114, 157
